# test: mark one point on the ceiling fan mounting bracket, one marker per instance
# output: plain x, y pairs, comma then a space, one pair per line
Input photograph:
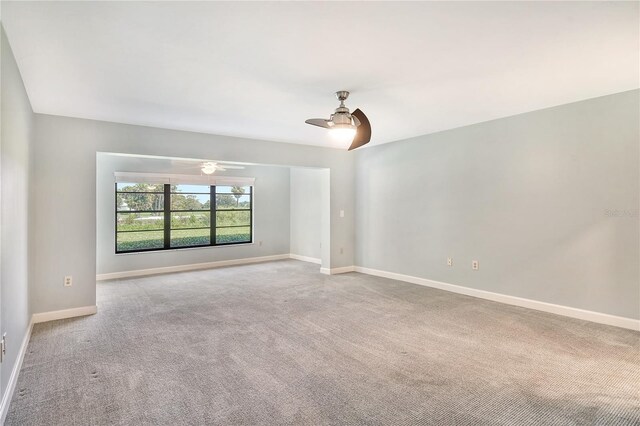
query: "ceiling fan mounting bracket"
342, 95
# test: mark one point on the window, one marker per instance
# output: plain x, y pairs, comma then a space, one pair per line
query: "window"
168, 216
233, 214
139, 217
190, 216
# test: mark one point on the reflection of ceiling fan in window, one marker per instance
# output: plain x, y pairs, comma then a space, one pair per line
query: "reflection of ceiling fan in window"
209, 167
201, 167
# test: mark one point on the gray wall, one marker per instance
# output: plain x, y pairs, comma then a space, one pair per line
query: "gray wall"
15, 142
306, 211
547, 202
64, 174
271, 216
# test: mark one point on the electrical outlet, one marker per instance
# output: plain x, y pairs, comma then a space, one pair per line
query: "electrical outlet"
449, 261
68, 281
260, 243
341, 250
341, 213
475, 265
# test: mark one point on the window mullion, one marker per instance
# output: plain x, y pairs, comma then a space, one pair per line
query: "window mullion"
213, 215
167, 216
115, 222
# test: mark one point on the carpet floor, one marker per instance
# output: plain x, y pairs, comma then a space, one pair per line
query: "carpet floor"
278, 343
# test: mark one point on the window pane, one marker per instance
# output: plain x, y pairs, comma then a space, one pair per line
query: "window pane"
199, 189
230, 202
140, 221
190, 237
190, 219
132, 201
190, 202
233, 235
140, 187
233, 190
128, 241
233, 218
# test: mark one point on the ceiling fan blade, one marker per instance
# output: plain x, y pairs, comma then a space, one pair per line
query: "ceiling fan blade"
320, 122
363, 132
227, 166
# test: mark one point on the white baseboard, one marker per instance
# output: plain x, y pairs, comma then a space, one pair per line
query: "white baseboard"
65, 313
567, 311
305, 258
582, 314
334, 271
13, 378
36, 318
597, 317
190, 267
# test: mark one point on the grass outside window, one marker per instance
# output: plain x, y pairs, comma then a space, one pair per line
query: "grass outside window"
163, 216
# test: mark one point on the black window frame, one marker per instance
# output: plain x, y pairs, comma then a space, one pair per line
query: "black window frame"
167, 211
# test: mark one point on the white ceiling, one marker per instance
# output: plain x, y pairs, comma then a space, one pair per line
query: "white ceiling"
184, 166
260, 69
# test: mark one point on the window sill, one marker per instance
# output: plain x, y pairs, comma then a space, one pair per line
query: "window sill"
183, 249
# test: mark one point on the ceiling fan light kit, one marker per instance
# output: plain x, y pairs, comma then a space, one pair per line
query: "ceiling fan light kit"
345, 126
208, 168
343, 132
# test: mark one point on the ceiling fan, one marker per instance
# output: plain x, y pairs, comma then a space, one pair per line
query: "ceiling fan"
209, 167
345, 126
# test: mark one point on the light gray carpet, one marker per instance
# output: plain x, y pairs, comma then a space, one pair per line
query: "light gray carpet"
278, 343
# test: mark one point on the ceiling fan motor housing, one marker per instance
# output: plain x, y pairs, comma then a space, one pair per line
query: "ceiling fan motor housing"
341, 118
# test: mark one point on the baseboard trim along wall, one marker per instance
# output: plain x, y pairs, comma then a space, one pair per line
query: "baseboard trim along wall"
190, 267
567, 311
63, 314
13, 378
305, 258
582, 314
628, 323
334, 271
35, 319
